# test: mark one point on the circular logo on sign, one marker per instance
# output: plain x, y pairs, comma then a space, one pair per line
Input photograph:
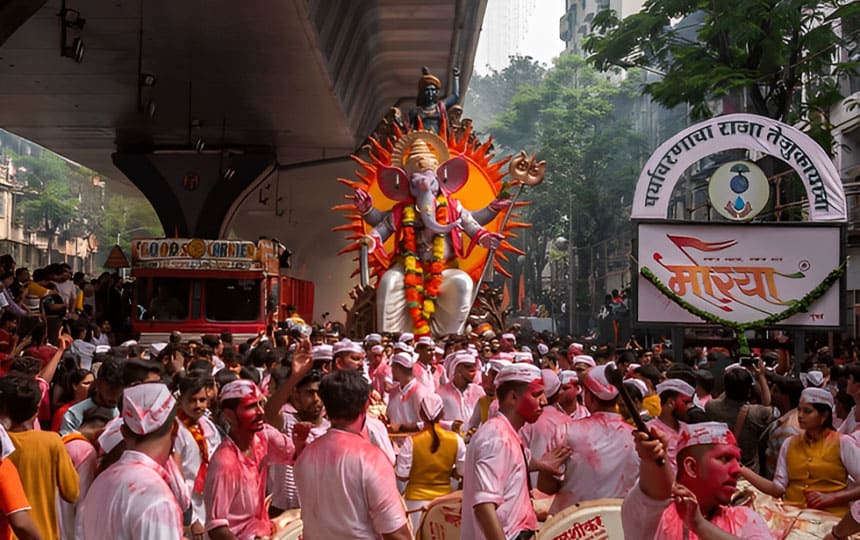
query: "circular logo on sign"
739, 190
197, 248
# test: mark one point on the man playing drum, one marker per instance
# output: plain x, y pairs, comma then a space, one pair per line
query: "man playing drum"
697, 505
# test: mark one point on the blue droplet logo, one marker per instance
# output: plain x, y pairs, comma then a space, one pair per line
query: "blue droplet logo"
739, 204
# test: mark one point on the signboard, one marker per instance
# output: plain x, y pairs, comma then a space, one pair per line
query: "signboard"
739, 273
669, 162
200, 254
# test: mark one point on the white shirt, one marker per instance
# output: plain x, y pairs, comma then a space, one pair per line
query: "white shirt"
189, 452
424, 376
580, 412
644, 518
66, 290
495, 472
377, 434
671, 437
347, 489
130, 501
404, 403
538, 436
457, 405
849, 425
604, 463
282, 482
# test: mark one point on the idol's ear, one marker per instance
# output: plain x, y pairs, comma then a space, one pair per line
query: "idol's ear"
393, 183
453, 175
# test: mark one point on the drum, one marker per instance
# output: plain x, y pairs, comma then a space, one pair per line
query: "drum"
293, 531
288, 526
591, 520
786, 521
441, 519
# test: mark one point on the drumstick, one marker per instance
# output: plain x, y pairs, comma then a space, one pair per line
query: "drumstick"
613, 375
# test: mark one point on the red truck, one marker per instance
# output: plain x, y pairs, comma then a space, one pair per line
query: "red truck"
201, 286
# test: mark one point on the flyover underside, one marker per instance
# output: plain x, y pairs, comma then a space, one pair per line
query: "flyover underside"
191, 192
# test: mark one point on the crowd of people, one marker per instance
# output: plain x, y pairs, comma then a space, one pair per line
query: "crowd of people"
207, 438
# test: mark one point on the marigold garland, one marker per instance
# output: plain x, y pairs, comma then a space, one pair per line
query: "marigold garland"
796, 306
422, 279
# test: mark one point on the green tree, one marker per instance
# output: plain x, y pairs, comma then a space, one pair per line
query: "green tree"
490, 95
576, 120
127, 218
49, 205
780, 54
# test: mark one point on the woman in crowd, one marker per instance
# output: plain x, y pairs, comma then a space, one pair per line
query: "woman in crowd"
813, 467
429, 459
76, 387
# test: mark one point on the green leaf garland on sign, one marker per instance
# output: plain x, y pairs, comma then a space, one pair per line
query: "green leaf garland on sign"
798, 306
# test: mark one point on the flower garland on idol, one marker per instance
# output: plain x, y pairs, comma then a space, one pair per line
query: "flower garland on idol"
795, 306
422, 279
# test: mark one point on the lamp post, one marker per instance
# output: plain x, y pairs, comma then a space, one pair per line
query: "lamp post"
571, 267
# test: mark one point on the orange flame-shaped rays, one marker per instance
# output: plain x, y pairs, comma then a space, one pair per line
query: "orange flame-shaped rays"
484, 184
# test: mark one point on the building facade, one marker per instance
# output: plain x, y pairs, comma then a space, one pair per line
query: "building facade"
29, 248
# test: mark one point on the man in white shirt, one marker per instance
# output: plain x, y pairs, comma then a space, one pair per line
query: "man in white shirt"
537, 436
404, 402
496, 501
196, 442
347, 485
676, 397
424, 370
604, 462
131, 498
487, 406
460, 395
569, 395
303, 411
697, 505
349, 356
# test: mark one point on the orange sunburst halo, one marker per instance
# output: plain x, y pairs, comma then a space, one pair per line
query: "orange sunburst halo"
484, 184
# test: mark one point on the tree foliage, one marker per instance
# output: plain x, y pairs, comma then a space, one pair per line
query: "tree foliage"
780, 54
65, 200
49, 204
578, 121
490, 95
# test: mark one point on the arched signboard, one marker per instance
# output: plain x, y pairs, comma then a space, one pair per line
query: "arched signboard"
739, 276
668, 163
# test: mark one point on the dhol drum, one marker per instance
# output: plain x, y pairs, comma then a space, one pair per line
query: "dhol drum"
288, 526
441, 519
786, 521
590, 520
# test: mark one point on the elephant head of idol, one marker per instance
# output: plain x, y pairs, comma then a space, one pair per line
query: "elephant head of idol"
416, 175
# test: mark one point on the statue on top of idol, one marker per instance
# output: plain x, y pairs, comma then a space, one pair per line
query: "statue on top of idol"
430, 109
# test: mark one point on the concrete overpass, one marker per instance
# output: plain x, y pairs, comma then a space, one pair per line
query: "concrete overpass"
233, 119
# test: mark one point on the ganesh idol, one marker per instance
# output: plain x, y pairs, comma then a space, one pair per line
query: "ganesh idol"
423, 290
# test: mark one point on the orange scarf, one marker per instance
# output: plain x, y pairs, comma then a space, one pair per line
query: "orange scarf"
200, 438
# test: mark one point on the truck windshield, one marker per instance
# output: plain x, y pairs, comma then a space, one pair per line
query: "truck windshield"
166, 300
233, 299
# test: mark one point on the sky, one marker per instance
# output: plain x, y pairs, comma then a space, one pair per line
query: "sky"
501, 37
